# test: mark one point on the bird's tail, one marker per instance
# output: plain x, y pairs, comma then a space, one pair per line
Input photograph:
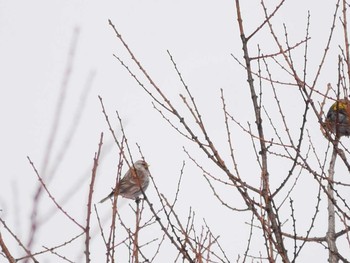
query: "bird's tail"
106, 198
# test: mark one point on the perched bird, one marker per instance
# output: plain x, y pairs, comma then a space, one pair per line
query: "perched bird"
130, 185
337, 120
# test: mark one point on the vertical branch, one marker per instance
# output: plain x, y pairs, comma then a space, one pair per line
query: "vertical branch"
135, 253
330, 236
254, 97
4, 249
346, 38
91, 190
60, 102
72, 130
270, 210
51, 139
110, 245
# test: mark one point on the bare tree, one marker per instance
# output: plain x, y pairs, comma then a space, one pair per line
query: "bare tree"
276, 135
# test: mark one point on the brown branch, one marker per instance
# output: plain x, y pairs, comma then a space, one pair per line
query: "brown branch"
51, 196
266, 20
18, 241
346, 38
281, 51
330, 237
135, 254
4, 249
52, 136
50, 249
89, 205
271, 213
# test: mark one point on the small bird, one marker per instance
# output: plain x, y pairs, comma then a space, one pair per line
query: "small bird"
135, 179
337, 120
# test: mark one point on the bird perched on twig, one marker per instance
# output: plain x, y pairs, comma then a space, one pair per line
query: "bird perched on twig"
135, 179
338, 118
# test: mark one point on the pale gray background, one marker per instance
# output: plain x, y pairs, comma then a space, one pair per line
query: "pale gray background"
35, 38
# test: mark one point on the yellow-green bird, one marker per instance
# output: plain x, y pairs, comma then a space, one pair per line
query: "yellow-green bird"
337, 120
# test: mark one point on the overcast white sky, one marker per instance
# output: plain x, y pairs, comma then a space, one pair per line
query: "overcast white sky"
35, 38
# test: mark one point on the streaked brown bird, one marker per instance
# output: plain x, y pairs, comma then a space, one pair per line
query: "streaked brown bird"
135, 179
